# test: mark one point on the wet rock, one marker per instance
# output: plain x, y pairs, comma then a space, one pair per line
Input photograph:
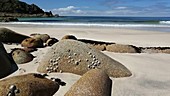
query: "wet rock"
29, 85
32, 43
43, 37
20, 56
93, 83
51, 41
119, 48
9, 36
69, 37
76, 57
5, 62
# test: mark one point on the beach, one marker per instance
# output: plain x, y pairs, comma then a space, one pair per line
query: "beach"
150, 71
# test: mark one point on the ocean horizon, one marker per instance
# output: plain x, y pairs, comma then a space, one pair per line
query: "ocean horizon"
145, 23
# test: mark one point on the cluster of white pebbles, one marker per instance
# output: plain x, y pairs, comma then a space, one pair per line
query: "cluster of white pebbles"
13, 90
54, 62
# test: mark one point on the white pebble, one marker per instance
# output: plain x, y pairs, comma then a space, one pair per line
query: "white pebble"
54, 69
69, 57
10, 94
76, 62
79, 60
95, 64
12, 87
93, 67
49, 71
50, 65
16, 91
91, 56
99, 62
51, 68
92, 63
94, 59
87, 60
89, 66
75, 54
55, 63
47, 68
89, 53
53, 80
69, 61
61, 71
72, 59
58, 59
51, 60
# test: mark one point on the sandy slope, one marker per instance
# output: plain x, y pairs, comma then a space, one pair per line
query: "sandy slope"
151, 74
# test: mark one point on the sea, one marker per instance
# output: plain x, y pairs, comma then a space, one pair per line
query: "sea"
141, 23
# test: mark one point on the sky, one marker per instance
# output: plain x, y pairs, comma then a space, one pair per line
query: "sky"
142, 8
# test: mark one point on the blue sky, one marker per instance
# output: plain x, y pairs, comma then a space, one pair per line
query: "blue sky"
105, 7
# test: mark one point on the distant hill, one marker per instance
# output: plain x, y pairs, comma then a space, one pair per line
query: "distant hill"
16, 8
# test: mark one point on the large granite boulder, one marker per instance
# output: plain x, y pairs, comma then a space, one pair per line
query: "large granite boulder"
93, 83
5, 62
76, 57
28, 85
9, 36
119, 48
32, 43
20, 56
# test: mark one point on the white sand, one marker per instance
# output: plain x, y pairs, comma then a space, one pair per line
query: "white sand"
151, 72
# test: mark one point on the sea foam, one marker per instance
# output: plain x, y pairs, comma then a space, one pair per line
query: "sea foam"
90, 24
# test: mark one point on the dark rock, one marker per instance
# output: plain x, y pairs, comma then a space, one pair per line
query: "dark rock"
32, 43
9, 36
56, 15
51, 41
93, 83
16, 8
9, 19
155, 49
5, 62
92, 42
76, 57
29, 85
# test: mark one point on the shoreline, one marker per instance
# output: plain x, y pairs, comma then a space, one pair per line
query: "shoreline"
139, 38
138, 28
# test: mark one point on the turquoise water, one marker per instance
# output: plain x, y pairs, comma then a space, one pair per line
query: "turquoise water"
109, 20
146, 23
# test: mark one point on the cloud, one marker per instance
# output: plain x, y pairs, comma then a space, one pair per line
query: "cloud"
120, 8
70, 10
154, 9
